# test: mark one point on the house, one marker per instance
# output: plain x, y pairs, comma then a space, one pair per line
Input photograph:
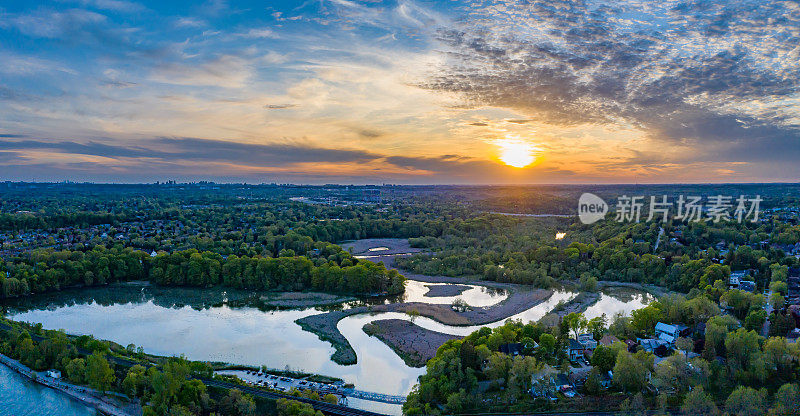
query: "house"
793, 286
736, 278
574, 350
511, 349
669, 333
650, 344
564, 386
153, 253
54, 374
587, 340
747, 286
608, 339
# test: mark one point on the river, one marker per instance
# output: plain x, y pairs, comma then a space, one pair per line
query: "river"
20, 396
219, 325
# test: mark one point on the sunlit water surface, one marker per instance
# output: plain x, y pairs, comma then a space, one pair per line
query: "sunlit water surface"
213, 325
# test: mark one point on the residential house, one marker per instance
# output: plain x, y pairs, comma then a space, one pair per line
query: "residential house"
736, 278
669, 333
587, 340
54, 374
608, 339
574, 349
793, 284
511, 349
747, 286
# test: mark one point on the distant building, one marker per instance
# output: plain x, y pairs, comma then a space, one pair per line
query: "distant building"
736, 278
54, 374
793, 285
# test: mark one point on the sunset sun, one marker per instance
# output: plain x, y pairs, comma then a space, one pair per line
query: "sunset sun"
517, 152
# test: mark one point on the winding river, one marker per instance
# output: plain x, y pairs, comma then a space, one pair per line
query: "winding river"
236, 327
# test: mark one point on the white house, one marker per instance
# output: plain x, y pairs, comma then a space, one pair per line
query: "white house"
53, 373
669, 333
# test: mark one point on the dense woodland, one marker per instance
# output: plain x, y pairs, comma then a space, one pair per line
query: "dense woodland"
58, 236
338, 272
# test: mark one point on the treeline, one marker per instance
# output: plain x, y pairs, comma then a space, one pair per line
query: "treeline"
347, 275
526, 251
331, 270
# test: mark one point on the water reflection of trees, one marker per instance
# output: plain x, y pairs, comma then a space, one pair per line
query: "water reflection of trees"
627, 294
166, 297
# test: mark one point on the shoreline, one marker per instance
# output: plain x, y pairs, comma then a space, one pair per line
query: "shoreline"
78, 393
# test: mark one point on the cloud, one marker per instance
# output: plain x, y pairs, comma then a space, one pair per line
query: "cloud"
227, 71
676, 70
199, 150
279, 106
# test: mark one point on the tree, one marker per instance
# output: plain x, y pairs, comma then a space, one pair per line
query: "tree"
99, 373
787, 400
597, 326
684, 344
592, 384
76, 371
604, 358
575, 322
697, 402
238, 404
135, 380
413, 314
644, 320
631, 370
755, 319
547, 343
745, 401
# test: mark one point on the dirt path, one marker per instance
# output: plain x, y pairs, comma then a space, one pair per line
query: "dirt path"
415, 345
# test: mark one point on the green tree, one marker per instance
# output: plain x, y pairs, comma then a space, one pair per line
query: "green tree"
631, 370
697, 402
604, 358
547, 343
745, 401
575, 322
99, 373
76, 370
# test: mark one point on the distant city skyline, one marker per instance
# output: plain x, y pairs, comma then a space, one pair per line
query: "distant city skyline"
400, 92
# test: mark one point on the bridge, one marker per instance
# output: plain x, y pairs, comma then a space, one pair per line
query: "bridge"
376, 397
324, 407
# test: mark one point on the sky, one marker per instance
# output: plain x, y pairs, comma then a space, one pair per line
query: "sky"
402, 91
